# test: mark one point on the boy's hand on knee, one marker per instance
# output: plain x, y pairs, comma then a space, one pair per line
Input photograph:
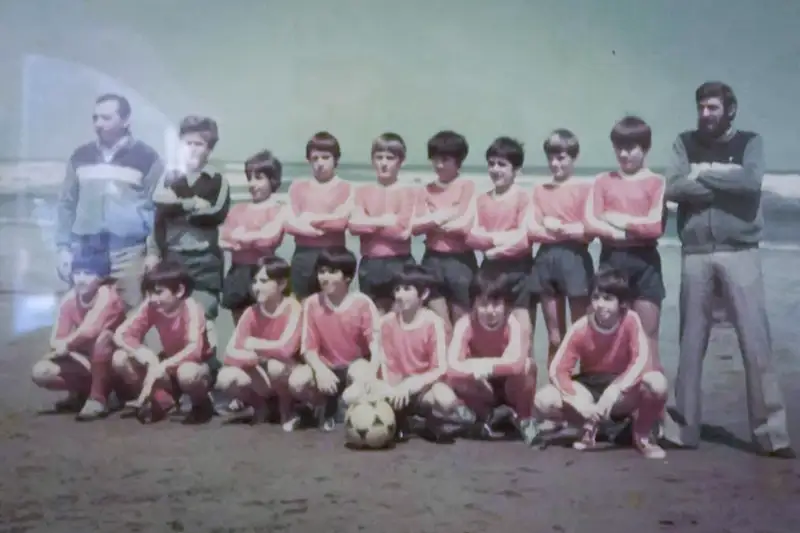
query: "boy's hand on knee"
607, 402
585, 409
400, 396
59, 349
327, 381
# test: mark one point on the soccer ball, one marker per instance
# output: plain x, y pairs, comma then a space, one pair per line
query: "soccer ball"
370, 425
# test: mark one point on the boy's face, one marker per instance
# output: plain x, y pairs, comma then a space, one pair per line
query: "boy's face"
630, 158
193, 152
446, 168
561, 165
332, 281
491, 312
165, 299
260, 188
323, 164
407, 298
501, 172
85, 282
266, 289
605, 309
387, 165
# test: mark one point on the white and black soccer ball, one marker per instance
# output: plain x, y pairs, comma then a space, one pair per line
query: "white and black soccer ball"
370, 425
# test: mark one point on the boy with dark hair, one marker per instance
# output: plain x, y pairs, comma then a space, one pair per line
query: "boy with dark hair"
488, 366
320, 210
625, 210
188, 347
252, 230
500, 230
382, 220
192, 202
445, 213
340, 338
563, 267
618, 375
81, 344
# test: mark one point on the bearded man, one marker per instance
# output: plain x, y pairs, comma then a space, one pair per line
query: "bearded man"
715, 178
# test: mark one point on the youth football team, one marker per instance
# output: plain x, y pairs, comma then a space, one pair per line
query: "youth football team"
447, 341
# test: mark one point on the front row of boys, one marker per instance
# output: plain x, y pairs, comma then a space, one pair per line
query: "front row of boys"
336, 345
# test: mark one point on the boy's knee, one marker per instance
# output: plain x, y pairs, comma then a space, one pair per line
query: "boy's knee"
277, 369
360, 370
230, 378
655, 383
443, 396
190, 373
44, 372
301, 378
548, 400
121, 361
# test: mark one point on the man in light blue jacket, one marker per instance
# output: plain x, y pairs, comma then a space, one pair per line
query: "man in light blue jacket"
106, 198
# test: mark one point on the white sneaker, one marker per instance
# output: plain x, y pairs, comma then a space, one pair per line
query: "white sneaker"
649, 448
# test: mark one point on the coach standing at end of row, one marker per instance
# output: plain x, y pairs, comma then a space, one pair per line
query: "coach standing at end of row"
106, 197
716, 178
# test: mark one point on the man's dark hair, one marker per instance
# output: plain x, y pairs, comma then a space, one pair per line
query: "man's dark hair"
123, 105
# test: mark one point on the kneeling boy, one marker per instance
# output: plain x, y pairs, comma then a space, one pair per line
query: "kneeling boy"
414, 356
81, 345
182, 366
340, 337
265, 346
488, 364
618, 375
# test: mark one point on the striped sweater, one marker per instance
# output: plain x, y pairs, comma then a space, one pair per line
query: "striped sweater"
109, 191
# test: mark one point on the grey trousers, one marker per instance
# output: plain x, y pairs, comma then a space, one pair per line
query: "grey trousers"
738, 276
127, 266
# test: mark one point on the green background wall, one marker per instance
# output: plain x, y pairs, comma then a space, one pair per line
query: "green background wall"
273, 72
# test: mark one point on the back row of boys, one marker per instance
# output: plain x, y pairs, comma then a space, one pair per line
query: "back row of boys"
454, 359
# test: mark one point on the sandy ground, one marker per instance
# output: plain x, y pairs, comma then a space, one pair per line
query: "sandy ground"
61, 476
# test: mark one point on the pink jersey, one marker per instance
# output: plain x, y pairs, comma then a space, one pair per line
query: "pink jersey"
376, 200
564, 201
504, 345
281, 328
459, 195
79, 323
334, 199
183, 332
412, 349
504, 213
621, 351
341, 334
640, 196
266, 218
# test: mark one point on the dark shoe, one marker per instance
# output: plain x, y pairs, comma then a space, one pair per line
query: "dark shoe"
201, 413
73, 403
150, 412
780, 453
403, 431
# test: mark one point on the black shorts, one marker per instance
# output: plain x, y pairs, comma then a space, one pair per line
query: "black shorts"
595, 383
454, 272
562, 269
518, 270
498, 385
642, 266
376, 275
237, 292
303, 274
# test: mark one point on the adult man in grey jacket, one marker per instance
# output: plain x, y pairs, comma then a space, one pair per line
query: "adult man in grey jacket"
715, 178
106, 197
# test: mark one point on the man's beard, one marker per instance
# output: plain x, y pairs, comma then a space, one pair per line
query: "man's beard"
713, 129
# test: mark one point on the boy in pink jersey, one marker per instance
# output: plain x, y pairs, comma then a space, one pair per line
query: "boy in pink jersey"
488, 367
500, 229
320, 210
265, 346
340, 340
187, 342
81, 344
252, 231
445, 214
563, 267
414, 359
382, 220
626, 210
618, 375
